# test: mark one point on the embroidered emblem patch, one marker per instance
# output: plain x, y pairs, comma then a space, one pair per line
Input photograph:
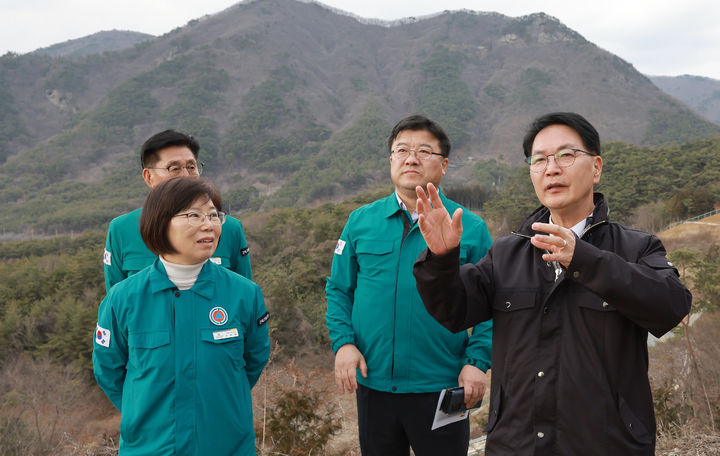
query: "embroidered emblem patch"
339, 247
245, 251
216, 260
102, 336
218, 316
262, 320
107, 257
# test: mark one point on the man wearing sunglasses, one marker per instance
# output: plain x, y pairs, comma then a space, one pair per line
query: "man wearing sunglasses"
163, 156
572, 296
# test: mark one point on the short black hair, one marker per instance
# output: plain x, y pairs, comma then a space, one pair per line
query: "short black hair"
166, 200
163, 140
588, 133
418, 122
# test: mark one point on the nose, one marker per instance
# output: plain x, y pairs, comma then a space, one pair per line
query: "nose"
184, 171
206, 224
552, 165
412, 157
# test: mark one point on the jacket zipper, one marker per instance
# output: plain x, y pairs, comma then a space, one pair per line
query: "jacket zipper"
588, 228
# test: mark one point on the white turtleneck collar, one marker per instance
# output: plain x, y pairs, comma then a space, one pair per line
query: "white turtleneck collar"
183, 276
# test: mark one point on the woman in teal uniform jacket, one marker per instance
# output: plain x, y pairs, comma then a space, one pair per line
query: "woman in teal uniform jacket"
179, 345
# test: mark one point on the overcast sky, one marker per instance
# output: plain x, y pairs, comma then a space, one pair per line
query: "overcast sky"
660, 37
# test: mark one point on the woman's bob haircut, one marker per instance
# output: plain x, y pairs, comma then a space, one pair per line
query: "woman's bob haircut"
166, 200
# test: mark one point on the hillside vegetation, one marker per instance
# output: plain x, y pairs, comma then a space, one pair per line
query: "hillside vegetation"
292, 101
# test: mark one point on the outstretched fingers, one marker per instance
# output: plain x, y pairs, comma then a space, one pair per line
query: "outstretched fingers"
434, 196
456, 222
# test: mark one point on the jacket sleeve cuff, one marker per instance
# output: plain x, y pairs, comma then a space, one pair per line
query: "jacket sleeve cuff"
448, 261
349, 339
580, 260
479, 363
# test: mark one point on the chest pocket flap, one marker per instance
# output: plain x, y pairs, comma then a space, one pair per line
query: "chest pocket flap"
595, 303
373, 247
511, 300
150, 339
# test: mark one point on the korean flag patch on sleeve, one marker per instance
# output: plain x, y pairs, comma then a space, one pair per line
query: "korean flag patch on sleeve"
107, 257
339, 247
102, 336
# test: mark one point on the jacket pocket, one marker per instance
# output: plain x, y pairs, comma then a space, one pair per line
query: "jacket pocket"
151, 339
632, 424
223, 342
595, 303
512, 300
372, 255
148, 348
495, 408
374, 247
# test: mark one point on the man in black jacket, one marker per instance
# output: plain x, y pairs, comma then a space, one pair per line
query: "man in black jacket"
572, 296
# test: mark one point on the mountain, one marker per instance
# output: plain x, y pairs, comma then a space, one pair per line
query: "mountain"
700, 93
97, 43
292, 102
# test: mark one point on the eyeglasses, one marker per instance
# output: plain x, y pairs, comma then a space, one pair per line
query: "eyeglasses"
401, 153
198, 218
563, 158
193, 169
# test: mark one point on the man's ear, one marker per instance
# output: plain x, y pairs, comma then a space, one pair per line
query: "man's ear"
597, 169
147, 177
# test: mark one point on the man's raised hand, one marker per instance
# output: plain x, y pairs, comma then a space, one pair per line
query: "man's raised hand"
441, 233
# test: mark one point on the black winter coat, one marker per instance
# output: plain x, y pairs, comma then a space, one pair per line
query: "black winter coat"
569, 356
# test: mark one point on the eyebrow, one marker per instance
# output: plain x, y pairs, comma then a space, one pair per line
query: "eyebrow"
564, 146
419, 145
179, 162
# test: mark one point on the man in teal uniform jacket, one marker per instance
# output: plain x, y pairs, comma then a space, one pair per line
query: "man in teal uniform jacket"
164, 155
378, 323
181, 361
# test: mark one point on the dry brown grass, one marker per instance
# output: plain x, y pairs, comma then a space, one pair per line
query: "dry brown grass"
696, 236
689, 443
52, 407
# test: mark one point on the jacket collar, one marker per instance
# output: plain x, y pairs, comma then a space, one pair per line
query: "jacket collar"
601, 214
204, 285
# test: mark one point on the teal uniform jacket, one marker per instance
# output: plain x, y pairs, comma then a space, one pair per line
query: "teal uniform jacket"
179, 365
126, 253
372, 302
